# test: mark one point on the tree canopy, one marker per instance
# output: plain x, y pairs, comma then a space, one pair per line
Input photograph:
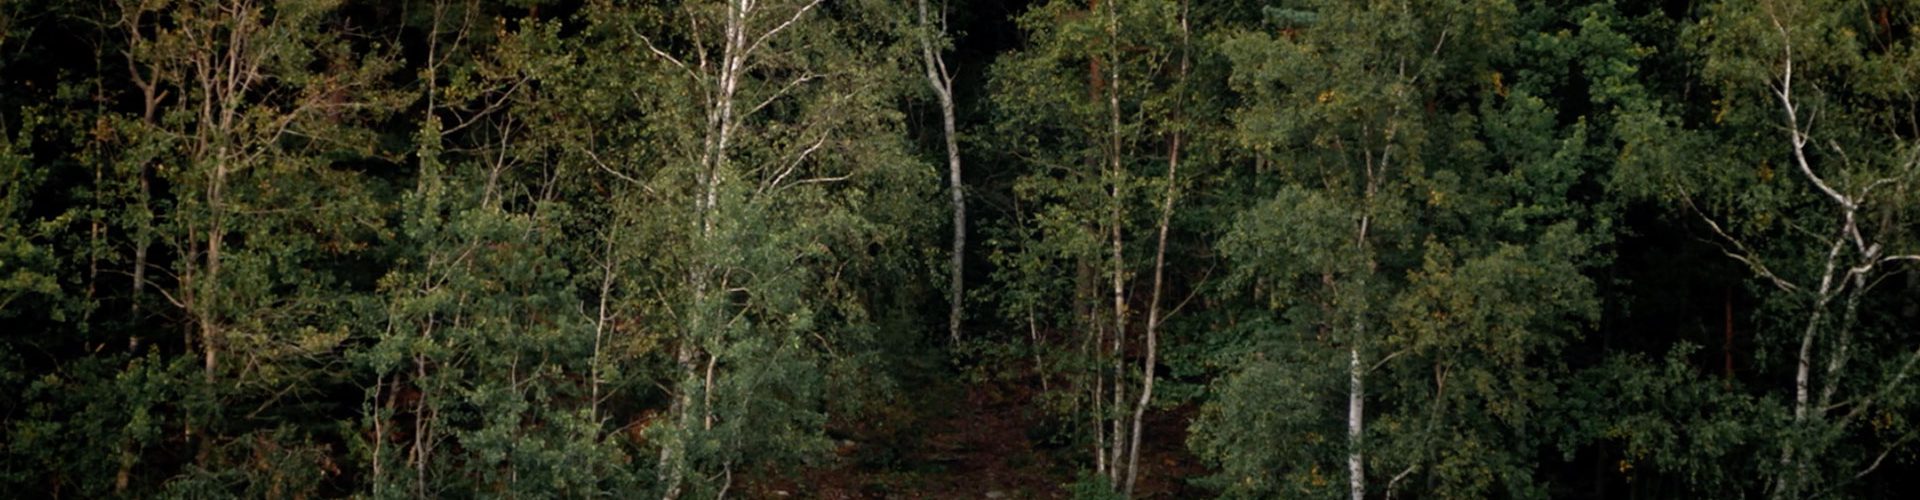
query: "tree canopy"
1133, 248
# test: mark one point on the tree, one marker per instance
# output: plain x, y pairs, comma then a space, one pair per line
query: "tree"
1803, 174
247, 111
941, 82
1356, 116
1435, 248
1422, 230
1088, 157
758, 173
484, 370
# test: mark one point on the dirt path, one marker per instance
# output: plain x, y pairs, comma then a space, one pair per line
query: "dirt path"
983, 440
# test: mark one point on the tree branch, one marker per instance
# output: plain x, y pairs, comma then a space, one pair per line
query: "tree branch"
1746, 255
762, 40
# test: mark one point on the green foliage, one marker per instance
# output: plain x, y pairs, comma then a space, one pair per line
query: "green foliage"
1667, 419
1105, 117
1424, 220
26, 262
1276, 397
1093, 487
617, 248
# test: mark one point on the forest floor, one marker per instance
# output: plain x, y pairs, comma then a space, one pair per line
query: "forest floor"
975, 438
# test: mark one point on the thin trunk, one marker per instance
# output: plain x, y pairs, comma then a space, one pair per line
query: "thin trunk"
418, 454
513, 380
599, 332
1789, 460
1117, 220
681, 409
1842, 345
1153, 323
1107, 442
1356, 411
209, 327
1783, 488
125, 475
420, 427
141, 237
189, 300
942, 85
230, 81
1357, 370
379, 432
94, 233
1086, 300
958, 196
720, 127
1787, 483
1118, 439
1039, 366
1159, 273
1100, 443
706, 393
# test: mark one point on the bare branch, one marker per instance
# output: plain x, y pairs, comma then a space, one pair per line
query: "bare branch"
762, 40
809, 76
1383, 361
1745, 255
663, 55
616, 173
1875, 465
935, 65
1397, 477
1798, 136
819, 180
795, 164
1191, 294
155, 286
491, 107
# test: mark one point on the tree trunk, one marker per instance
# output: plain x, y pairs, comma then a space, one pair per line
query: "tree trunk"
209, 328
141, 236
1159, 272
421, 445
1356, 411
942, 84
1087, 301
599, 333
1357, 372
1117, 220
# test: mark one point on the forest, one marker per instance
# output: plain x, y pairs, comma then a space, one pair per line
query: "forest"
1094, 249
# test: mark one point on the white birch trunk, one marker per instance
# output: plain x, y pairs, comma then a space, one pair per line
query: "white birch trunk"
1356, 413
1159, 277
942, 84
1117, 220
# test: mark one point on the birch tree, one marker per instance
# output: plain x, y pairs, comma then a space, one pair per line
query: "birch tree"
758, 171
1421, 251
941, 81
245, 108
1090, 138
1814, 199
1353, 129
